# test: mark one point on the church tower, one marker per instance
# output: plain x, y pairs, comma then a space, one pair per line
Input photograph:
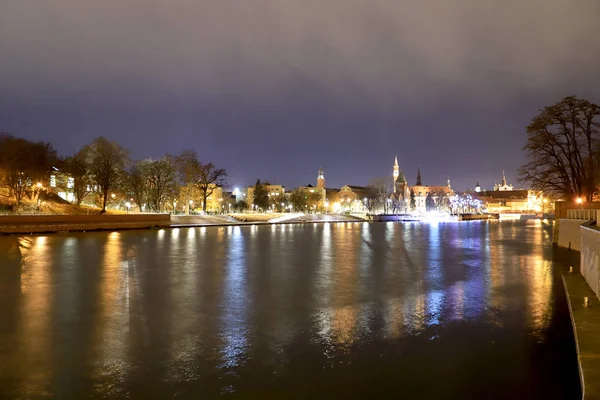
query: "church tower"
321, 179
503, 179
396, 172
419, 177
448, 184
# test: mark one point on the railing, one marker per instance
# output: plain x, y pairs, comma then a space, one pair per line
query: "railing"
584, 214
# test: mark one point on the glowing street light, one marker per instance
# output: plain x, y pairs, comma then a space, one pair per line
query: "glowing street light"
579, 200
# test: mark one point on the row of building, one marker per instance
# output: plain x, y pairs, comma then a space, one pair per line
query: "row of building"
359, 199
393, 196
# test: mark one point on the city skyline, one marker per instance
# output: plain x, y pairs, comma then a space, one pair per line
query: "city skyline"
275, 91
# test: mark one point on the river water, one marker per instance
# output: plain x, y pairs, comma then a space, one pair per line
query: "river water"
349, 310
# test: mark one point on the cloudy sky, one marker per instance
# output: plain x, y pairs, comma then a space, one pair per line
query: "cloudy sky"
277, 88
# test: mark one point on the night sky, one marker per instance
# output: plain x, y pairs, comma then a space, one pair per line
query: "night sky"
277, 88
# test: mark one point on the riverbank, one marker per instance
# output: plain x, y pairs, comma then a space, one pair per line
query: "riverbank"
586, 329
28, 224
36, 224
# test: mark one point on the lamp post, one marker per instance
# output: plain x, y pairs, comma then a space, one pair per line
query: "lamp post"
127, 204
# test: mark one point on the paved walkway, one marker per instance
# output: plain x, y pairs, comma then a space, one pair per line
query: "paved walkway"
586, 326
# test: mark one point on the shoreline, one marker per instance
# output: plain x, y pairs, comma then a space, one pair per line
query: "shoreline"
44, 228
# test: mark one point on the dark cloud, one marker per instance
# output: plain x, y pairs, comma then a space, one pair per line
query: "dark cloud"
276, 88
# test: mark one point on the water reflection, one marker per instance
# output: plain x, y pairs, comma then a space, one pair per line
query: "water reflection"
144, 313
234, 328
35, 317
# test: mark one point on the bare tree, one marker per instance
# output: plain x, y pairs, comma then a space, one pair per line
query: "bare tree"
372, 198
440, 199
160, 181
77, 168
105, 161
135, 184
188, 171
561, 144
209, 179
383, 188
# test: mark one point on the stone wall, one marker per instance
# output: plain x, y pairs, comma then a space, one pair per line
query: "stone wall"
567, 233
590, 251
61, 223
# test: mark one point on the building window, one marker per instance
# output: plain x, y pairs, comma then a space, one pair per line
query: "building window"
70, 183
53, 180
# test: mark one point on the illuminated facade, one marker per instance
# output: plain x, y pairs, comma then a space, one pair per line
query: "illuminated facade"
504, 198
62, 184
273, 191
348, 199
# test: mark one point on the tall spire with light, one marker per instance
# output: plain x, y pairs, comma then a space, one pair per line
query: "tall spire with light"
419, 176
396, 173
449, 187
321, 178
503, 179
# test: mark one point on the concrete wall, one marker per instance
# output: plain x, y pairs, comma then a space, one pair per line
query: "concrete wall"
567, 233
561, 207
590, 251
60, 223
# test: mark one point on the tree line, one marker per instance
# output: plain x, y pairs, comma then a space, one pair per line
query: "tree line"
563, 150
103, 167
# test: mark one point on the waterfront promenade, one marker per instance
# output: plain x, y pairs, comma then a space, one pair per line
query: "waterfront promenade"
586, 327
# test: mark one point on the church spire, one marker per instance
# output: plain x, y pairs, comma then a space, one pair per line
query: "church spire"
503, 179
449, 187
395, 161
419, 177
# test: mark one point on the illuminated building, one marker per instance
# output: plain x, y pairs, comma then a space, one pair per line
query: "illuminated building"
504, 198
275, 191
62, 184
439, 194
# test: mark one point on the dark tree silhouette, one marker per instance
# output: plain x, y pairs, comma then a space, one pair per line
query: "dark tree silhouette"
261, 197
562, 149
106, 163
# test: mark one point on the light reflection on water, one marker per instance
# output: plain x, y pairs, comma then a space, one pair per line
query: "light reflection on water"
226, 308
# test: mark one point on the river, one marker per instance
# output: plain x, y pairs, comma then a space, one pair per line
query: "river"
355, 310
